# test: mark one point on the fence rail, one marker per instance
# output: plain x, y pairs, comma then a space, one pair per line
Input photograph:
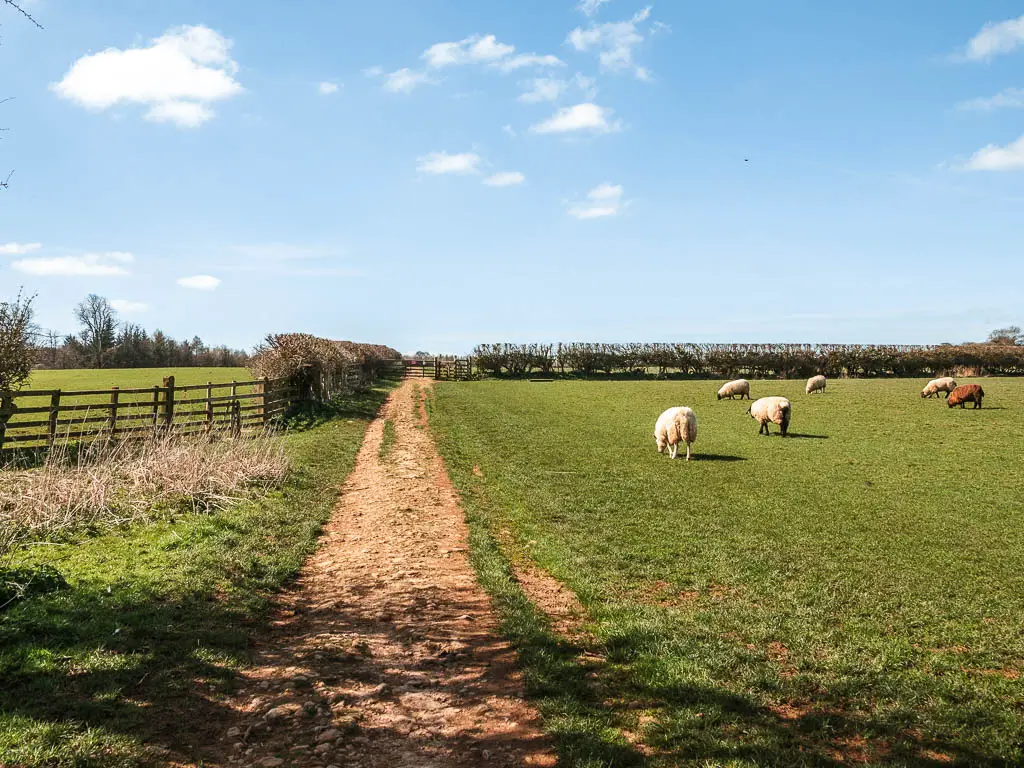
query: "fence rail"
39, 418
440, 368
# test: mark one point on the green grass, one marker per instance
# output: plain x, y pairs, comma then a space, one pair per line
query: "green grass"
132, 378
856, 589
156, 618
387, 440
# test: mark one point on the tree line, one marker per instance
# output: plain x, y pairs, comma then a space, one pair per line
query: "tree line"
1001, 354
101, 341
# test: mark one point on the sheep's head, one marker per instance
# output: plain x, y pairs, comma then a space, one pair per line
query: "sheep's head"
924, 392
953, 400
719, 395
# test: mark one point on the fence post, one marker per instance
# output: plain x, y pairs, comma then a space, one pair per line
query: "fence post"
209, 407
263, 401
169, 402
236, 418
6, 410
51, 427
156, 408
115, 395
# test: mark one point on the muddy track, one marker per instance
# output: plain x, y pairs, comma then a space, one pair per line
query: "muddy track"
386, 651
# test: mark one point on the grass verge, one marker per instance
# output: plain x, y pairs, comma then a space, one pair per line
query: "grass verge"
155, 619
387, 440
558, 676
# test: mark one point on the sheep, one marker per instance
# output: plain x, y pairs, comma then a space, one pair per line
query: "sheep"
815, 384
674, 426
933, 387
739, 387
966, 393
771, 409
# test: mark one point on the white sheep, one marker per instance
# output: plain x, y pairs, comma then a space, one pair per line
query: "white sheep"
815, 384
739, 387
674, 426
933, 387
771, 409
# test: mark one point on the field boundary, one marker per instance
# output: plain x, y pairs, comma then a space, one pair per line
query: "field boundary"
40, 418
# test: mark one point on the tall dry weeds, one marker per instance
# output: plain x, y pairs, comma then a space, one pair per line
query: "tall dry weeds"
107, 484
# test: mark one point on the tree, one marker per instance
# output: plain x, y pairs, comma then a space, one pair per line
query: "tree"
99, 324
1009, 336
16, 334
5, 182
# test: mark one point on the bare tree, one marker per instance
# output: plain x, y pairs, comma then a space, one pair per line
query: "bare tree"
5, 183
22, 11
99, 326
16, 336
1010, 336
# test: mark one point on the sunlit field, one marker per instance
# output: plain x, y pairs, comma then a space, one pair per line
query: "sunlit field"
854, 592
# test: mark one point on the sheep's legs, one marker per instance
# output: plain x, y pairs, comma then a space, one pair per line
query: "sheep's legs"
673, 450
687, 451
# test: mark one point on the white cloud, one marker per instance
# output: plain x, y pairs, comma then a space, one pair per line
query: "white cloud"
552, 88
374, 71
405, 80
1010, 97
326, 88
505, 179
590, 7
995, 38
508, 129
529, 60
477, 48
127, 307
581, 117
88, 265
199, 282
996, 158
616, 42
17, 249
442, 162
603, 200
544, 89
185, 114
178, 76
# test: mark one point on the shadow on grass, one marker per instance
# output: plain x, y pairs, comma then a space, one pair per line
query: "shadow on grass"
358, 405
138, 636
716, 457
135, 665
699, 723
801, 436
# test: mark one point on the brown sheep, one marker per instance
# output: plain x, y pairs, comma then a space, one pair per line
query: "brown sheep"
966, 393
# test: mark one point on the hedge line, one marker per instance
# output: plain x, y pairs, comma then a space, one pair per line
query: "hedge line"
753, 360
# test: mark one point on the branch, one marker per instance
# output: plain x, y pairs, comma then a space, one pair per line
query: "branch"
23, 12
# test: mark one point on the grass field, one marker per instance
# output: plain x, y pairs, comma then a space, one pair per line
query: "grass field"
132, 378
854, 593
156, 618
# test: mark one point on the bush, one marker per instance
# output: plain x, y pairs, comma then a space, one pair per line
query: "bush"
728, 361
16, 334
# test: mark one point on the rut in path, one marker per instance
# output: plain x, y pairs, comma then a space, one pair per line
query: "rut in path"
386, 652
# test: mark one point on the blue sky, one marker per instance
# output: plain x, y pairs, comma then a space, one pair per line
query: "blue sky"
436, 173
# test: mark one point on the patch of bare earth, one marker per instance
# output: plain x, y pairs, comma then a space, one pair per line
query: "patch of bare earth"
386, 653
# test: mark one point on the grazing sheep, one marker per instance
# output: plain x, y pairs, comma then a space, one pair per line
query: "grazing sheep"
771, 409
933, 387
815, 384
674, 426
966, 393
739, 387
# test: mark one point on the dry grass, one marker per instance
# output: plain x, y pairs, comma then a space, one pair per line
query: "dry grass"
109, 484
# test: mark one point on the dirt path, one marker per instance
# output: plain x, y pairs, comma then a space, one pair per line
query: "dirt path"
386, 652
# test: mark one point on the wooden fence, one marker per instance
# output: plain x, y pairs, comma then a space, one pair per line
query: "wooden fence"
442, 369
40, 418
